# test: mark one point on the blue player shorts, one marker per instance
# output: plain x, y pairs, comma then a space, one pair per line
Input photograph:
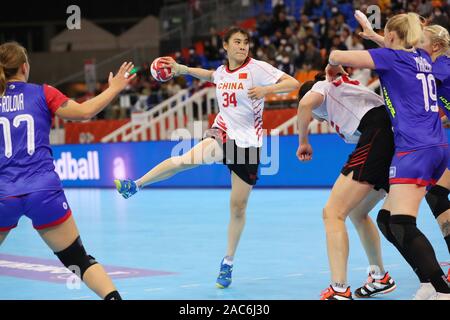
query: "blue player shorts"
423, 167
45, 209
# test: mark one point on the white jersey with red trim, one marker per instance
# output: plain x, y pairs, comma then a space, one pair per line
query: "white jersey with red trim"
241, 117
345, 104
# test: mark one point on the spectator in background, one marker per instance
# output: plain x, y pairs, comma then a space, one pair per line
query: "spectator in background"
179, 58
337, 44
212, 45
303, 23
354, 42
280, 22
313, 59
264, 25
314, 9
286, 65
194, 59
173, 88
439, 17
300, 59
425, 8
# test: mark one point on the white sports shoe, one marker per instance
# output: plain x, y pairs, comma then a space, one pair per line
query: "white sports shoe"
426, 292
440, 296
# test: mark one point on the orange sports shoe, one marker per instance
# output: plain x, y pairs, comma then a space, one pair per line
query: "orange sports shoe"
330, 294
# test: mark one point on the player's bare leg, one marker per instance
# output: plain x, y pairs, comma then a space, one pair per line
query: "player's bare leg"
207, 151
60, 238
240, 192
367, 230
345, 196
379, 281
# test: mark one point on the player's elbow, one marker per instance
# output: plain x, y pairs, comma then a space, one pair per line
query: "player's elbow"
86, 116
336, 57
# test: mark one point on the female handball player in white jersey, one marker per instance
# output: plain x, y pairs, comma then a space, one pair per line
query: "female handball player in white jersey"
236, 135
358, 115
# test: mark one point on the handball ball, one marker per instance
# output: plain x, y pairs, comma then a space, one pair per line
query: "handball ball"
159, 73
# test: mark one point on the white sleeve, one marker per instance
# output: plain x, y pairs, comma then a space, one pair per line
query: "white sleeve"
265, 74
215, 74
321, 87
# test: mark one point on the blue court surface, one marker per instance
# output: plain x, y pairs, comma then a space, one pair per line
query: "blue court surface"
168, 244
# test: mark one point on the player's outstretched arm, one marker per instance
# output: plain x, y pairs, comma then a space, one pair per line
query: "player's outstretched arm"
72, 110
304, 113
285, 84
180, 69
368, 33
349, 58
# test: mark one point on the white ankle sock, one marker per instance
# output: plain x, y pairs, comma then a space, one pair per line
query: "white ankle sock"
339, 287
228, 260
378, 276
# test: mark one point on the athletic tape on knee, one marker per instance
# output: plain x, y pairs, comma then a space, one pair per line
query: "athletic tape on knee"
75, 258
437, 199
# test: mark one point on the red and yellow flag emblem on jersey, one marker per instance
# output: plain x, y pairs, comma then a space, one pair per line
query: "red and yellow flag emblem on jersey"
242, 76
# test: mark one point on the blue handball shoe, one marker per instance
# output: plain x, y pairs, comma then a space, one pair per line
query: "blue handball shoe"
126, 187
224, 278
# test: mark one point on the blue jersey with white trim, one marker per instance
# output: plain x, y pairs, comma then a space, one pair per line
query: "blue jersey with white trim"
26, 161
410, 94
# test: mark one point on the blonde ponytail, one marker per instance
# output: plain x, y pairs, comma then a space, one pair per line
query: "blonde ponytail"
415, 30
408, 27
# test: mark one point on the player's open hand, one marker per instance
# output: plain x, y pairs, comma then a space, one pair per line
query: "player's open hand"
257, 93
368, 32
176, 68
123, 78
304, 152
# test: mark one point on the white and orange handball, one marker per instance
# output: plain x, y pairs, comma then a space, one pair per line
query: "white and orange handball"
160, 73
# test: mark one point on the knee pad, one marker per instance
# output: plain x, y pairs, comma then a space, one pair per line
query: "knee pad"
437, 199
383, 220
75, 258
404, 230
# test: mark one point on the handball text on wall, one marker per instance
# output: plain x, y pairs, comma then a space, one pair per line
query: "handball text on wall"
69, 168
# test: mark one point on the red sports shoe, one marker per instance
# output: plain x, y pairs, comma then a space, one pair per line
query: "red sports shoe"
330, 294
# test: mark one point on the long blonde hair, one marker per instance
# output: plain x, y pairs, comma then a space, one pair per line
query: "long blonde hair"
408, 27
439, 35
12, 57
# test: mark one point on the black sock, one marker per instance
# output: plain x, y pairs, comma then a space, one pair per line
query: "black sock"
416, 246
113, 296
383, 221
